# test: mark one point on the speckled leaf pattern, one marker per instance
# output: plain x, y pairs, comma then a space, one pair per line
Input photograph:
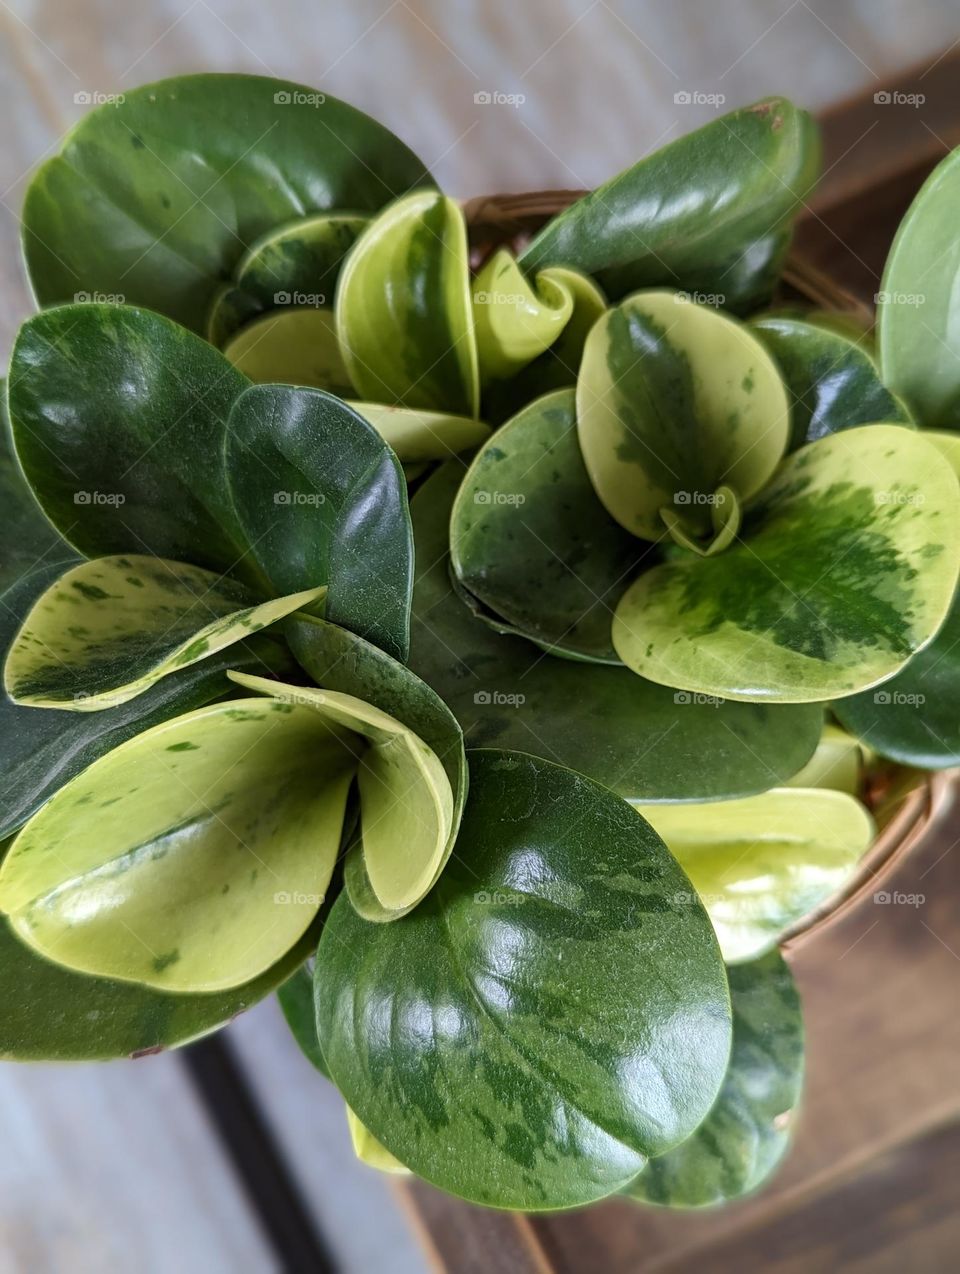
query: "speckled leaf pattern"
369, 1151
119, 418
156, 197
516, 319
423, 435
404, 309
297, 264
107, 630
830, 374
918, 332
673, 401
41, 751
192, 857
530, 539
619, 729
323, 500
846, 568
406, 799
708, 212
743, 1139
914, 717
761, 864
53, 1014
291, 347
29, 540
523, 1039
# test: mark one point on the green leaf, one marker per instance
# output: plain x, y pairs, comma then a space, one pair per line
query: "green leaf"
515, 320
155, 198
369, 1151
296, 1001
107, 630
406, 799
53, 1014
846, 568
747, 1133
707, 212
917, 314
192, 857
297, 264
831, 377
423, 435
119, 419
523, 1039
404, 308
296, 347
323, 500
914, 717
673, 401
29, 539
836, 764
642, 740
761, 864
41, 751
530, 539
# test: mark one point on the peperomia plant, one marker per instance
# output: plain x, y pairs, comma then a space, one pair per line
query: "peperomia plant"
487, 653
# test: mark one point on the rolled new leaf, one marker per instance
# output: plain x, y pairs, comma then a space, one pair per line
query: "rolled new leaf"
154, 197
406, 799
404, 310
675, 401
192, 857
530, 539
107, 630
761, 864
119, 418
322, 499
627, 733
710, 212
743, 1139
830, 375
846, 569
551, 925
515, 320
297, 264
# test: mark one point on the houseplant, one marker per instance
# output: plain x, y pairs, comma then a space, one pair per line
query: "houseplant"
299, 495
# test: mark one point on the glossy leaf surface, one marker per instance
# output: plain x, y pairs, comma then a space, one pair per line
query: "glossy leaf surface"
846, 569
457, 1034
154, 198
515, 320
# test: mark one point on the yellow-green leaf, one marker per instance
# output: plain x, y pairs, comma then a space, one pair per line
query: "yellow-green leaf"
292, 347
370, 1151
108, 629
423, 435
516, 319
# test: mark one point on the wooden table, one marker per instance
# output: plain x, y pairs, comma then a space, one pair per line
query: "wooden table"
234, 1157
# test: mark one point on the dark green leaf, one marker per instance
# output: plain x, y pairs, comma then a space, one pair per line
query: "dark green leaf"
156, 197
323, 500
523, 1039
747, 1133
296, 1001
